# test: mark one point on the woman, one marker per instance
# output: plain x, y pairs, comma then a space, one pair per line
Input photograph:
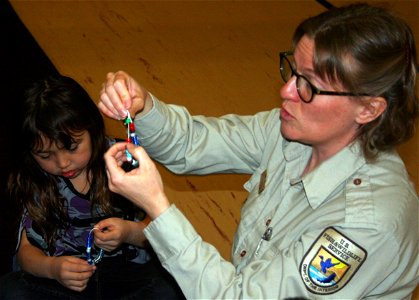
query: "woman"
330, 211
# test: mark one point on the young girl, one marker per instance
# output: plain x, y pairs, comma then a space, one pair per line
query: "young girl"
61, 185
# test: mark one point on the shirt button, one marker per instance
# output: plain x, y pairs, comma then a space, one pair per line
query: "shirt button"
243, 253
357, 181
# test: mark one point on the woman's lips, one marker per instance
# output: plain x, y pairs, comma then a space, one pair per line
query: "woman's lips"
285, 115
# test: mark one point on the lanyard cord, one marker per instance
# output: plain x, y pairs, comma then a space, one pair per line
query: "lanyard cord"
90, 259
131, 138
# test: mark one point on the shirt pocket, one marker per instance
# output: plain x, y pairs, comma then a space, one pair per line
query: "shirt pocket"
252, 206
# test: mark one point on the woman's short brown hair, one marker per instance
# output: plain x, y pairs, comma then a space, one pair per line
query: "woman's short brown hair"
369, 51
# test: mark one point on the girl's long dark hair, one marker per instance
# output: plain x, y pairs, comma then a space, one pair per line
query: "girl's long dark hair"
58, 109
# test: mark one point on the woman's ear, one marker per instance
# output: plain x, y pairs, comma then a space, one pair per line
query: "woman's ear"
371, 109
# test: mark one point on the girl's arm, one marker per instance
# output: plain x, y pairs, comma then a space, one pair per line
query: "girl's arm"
71, 272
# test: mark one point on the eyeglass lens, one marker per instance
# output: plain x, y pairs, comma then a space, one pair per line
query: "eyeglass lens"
304, 89
303, 86
286, 71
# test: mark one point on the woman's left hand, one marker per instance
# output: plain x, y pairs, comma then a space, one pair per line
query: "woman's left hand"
143, 185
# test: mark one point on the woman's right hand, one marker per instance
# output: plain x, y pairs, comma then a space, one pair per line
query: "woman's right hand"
120, 92
72, 272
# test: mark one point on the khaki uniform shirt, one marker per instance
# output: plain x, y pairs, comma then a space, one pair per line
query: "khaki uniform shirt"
346, 230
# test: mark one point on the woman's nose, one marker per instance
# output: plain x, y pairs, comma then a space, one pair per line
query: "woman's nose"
289, 90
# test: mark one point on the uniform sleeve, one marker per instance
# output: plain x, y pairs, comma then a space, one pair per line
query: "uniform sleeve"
204, 145
196, 265
203, 274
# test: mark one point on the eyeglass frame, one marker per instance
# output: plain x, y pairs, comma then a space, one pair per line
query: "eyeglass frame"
314, 89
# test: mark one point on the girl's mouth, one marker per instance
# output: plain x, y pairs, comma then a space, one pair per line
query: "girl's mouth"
69, 174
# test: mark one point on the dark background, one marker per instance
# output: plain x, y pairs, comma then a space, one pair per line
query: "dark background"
22, 62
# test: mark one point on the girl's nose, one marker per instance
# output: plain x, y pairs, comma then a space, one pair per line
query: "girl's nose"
63, 160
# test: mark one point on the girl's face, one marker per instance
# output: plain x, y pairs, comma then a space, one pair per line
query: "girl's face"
328, 123
70, 163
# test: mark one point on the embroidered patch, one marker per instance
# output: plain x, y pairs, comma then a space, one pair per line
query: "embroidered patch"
331, 262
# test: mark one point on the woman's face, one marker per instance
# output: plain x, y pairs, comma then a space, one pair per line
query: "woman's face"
328, 122
69, 163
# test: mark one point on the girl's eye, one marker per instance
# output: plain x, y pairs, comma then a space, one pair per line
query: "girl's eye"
43, 155
73, 147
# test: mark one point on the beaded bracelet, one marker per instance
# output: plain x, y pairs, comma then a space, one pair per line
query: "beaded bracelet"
90, 259
131, 138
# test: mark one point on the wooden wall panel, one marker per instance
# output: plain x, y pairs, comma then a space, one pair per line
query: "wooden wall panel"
214, 57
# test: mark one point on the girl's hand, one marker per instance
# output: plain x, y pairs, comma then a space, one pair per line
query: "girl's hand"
120, 93
113, 232
143, 185
72, 272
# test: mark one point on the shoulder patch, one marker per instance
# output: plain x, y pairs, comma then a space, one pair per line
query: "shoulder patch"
331, 262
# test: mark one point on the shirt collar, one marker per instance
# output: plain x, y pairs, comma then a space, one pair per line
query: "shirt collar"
320, 183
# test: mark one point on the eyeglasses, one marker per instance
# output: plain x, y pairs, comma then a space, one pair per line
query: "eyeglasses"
306, 90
